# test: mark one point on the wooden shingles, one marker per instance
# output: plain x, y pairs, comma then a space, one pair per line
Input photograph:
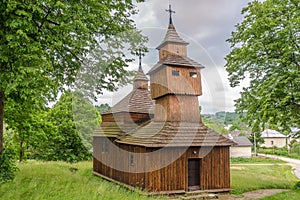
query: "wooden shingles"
172, 36
137, 101
174, 60
174, 134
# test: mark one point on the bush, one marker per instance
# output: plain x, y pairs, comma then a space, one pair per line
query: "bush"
297, 186
7, 165
295, 148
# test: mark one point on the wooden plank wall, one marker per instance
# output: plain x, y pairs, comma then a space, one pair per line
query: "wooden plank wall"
158, 83
177, 108
119, 167
188, 85
172, 49
170, 177
214, 169
163, 82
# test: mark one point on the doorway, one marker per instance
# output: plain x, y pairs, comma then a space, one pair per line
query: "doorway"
194, 174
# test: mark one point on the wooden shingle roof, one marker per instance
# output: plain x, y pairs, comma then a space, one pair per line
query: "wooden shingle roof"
137, 101
140, 76
113, 129
172, 37
174, 60
174, 134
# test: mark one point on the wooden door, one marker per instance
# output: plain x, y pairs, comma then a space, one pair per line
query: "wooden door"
194, 174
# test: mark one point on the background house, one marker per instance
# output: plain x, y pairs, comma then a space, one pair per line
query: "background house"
273, 138
242, 148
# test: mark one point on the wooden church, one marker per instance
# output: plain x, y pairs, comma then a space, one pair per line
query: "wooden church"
155, 140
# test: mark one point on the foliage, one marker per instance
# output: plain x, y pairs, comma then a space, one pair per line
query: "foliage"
103, 107
258, 138
219, 120
242, 134
265, 49
86, 116
7, 165
235, 126
297, 186
280, 152
252, 160
295, 148
46, 45
54, 180
63, 139
25, 121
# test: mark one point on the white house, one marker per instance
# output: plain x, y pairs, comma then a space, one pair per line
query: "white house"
273, 138
242, 148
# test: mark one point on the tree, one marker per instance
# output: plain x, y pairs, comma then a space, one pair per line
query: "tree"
265, 48
103, 107
44, 44
64, 135
86, 116
258, 138
235, 126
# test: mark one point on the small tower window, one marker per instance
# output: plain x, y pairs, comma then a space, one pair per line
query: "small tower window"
193, 74
131, 160
105, 146
175, 72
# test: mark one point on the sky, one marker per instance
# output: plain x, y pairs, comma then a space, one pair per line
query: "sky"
205, 25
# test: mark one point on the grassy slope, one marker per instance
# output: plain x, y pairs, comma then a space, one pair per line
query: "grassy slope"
54, 180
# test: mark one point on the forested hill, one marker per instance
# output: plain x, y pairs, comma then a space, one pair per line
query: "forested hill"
222, 119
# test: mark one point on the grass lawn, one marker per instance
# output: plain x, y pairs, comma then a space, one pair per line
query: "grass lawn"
54, 180
253, 160
246, 178
290, 195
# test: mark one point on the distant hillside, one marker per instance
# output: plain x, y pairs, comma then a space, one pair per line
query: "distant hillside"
222, 119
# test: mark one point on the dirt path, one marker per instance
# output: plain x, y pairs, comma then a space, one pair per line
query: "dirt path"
256, 194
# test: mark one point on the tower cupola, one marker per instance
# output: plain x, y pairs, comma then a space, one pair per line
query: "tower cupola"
141, 80
175, 80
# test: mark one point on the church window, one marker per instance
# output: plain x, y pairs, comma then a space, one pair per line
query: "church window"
131, 160
193, 74
175, 72
105, 145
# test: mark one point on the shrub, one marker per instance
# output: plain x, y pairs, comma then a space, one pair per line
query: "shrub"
296, 148
297, 186
7, 165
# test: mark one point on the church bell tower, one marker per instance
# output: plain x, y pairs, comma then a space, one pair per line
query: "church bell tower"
175, 80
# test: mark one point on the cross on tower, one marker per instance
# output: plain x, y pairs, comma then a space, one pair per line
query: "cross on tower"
170, 11
140, 58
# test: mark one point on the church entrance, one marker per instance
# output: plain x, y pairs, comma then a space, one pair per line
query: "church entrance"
194, 174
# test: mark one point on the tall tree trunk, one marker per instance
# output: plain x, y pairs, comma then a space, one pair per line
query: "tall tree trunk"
2, 99
21, 151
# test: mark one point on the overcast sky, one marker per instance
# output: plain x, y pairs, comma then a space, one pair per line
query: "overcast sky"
205, 24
